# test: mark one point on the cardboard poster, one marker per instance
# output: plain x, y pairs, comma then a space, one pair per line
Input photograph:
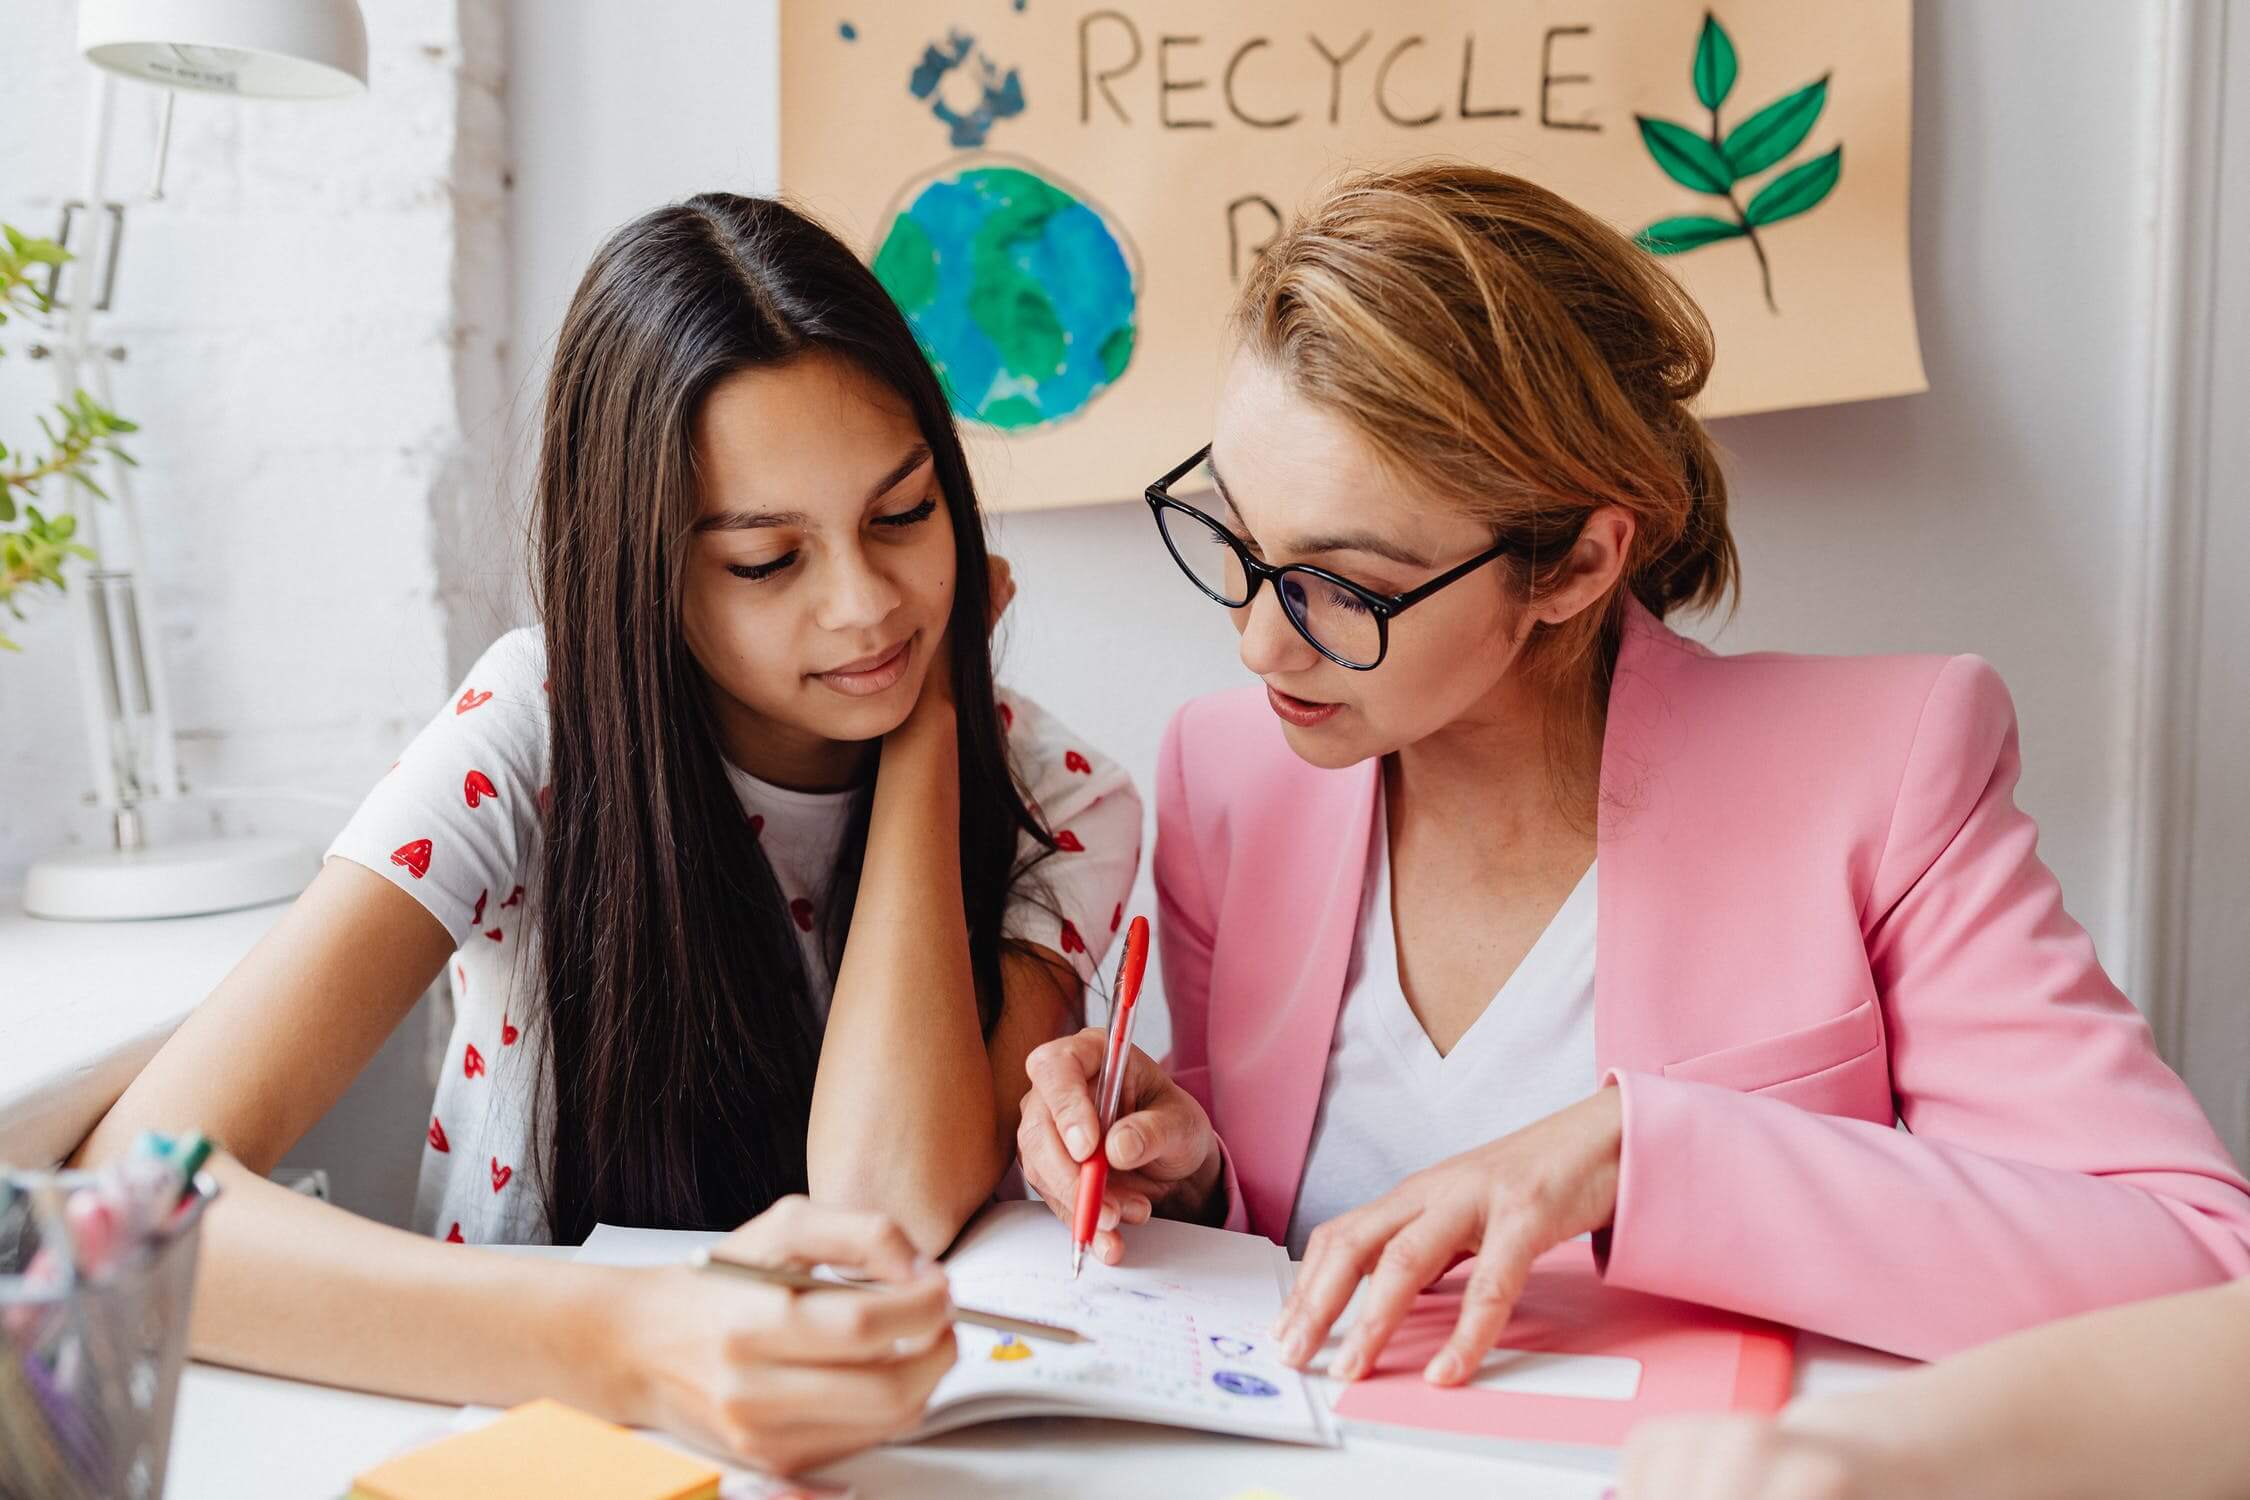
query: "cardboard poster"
1064, 196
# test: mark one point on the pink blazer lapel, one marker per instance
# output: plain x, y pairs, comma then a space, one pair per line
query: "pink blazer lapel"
1283, 980
1641, 726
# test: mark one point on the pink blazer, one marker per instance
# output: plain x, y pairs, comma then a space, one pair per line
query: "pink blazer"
1821, 914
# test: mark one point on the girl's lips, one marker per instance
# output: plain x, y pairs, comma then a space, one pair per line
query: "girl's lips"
862, 679
1299, 711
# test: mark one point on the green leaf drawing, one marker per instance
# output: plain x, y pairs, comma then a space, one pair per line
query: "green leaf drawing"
1687, 158
1714, 163
1775, 131
1714, 63
1796, 190
1687, 232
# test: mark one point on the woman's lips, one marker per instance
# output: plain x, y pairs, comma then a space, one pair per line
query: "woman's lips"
1299, 711
870, 675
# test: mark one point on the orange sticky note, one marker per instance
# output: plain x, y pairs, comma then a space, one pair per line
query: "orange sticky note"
542, 1450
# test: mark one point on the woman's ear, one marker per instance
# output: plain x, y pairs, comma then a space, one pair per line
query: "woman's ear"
1596, 560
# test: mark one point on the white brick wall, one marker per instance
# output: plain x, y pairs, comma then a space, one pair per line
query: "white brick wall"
314, 315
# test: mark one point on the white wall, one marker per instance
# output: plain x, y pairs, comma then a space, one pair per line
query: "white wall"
300, 356
313, 317
1996, 514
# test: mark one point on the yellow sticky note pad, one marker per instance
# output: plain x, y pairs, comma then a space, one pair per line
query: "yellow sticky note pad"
542, 1450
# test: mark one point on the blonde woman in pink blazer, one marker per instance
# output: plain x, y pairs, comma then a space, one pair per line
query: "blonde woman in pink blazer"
1499, 913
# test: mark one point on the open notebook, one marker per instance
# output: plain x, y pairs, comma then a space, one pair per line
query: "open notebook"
1177, 1334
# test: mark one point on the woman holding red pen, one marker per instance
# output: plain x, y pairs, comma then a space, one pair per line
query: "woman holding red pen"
1499, 913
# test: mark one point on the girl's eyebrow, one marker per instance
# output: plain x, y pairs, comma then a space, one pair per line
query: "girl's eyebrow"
753, 520
1339, 541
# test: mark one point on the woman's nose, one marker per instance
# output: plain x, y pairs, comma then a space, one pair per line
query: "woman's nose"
1269, 642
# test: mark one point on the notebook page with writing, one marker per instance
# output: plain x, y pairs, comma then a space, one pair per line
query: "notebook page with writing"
1178, 1333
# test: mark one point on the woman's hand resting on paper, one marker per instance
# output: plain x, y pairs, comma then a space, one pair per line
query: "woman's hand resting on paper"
1505, 1203
789, 1380
1163, 1155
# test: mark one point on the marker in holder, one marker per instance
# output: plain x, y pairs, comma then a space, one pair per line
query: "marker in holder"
97, 1270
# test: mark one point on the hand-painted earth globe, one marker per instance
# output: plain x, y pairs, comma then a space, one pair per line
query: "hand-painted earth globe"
1020, 291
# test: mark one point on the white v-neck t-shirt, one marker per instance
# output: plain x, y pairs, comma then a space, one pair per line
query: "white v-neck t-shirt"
1391, 1104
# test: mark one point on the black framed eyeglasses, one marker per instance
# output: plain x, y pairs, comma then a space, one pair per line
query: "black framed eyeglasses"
1347, 622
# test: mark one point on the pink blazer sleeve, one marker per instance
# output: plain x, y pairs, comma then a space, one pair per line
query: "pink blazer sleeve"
1184, 922
2050, 1162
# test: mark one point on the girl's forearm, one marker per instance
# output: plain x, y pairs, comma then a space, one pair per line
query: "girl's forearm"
291, 1286
903, 1113
2141, 1399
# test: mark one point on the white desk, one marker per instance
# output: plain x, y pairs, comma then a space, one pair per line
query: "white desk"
251, 1437
85, 1005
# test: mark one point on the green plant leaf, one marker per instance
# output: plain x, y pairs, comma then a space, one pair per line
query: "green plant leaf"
1714, 63
1687, 158
1687, 232
1775, 131
1796, 190
7, 506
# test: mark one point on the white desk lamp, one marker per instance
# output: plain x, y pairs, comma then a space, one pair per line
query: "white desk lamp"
253, 49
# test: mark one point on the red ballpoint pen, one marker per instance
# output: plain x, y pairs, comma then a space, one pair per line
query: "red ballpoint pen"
1093, 1173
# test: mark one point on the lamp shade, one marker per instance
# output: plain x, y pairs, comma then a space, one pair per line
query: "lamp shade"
255, 49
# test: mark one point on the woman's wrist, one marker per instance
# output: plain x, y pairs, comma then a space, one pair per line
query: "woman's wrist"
1202, 1194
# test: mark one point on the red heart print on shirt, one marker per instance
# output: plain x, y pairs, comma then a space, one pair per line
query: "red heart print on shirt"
515, 898
477, 786
453, 1235
802, 911
437, 1136
1073, 761
1116, 917
500, 1174
1007, 718
472, 1062
470, 698
1071, 941
492, 933
546, 797
415, 857
476, 917
508, 1033
1068, 842
757, 825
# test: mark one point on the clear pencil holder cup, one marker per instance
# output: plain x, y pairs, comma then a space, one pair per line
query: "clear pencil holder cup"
90, 1367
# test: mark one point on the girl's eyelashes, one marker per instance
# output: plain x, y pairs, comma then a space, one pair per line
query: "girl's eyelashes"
916, 516
756, 571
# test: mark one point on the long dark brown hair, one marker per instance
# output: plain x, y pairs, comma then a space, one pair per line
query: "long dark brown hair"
679, 1021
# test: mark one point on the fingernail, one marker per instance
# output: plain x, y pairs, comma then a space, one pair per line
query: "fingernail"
1345, 1366
1109, 1216
1445, 1369
1079, 1141
1125, 1145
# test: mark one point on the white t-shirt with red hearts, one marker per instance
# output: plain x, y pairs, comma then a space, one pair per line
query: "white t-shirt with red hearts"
455, 824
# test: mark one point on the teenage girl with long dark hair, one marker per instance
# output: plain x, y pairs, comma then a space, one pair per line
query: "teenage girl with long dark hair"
749, 885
